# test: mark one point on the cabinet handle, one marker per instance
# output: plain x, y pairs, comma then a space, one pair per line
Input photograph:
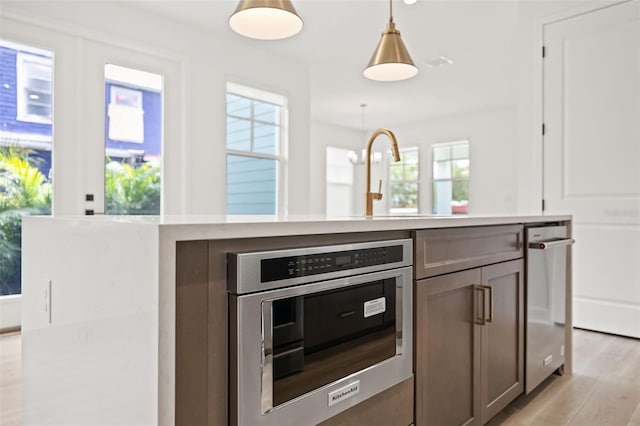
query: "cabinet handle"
488, 287
480, 320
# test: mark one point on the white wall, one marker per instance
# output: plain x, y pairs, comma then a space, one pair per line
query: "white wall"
206, 62
492, 139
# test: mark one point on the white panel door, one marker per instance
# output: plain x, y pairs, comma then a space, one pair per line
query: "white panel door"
592, 158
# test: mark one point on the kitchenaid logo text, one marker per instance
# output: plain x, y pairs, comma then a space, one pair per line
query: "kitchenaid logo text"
343, 393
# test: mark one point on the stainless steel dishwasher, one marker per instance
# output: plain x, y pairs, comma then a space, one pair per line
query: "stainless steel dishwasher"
546, 298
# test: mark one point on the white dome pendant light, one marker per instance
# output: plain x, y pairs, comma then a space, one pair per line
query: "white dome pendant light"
391, 60
266, 19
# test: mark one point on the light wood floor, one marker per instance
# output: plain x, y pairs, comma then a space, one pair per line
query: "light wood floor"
604, 389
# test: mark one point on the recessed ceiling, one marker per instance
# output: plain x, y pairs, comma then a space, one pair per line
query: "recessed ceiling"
339, 38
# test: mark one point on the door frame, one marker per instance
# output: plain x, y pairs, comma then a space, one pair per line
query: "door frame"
538, 84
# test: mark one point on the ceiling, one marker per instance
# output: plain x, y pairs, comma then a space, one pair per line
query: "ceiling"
339, 38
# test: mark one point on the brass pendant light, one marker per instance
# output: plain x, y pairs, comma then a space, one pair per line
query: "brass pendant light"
266, 19
391, 60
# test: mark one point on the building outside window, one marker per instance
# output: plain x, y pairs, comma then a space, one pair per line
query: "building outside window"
256, 132
451, 178
34, 88
404, 182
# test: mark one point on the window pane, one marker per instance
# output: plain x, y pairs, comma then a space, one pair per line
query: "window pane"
404, 195
460, 190
460, 151
238, 134
253, 149
265, 138
397, 171
238, 106
340, 179
339, 168
26, 113
410, 156
442, 170
263, 111
442, 197
133, 141
460, 197
411, 172
251, 185
441, 153
461, 168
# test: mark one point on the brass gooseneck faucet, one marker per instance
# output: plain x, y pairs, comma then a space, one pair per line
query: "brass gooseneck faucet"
370, 196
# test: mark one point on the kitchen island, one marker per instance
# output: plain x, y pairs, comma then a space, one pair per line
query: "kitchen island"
125, 319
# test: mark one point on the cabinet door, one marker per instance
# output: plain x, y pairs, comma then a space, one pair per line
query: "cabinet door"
502, 337
448, 349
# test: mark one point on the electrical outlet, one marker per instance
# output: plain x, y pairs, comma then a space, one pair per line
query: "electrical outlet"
46, 304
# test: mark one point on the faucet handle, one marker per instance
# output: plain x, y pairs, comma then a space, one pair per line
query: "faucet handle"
378, 195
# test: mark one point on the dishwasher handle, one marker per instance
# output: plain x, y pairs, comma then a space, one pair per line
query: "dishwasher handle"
544, 245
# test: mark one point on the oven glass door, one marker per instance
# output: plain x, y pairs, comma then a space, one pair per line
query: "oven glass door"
314, 339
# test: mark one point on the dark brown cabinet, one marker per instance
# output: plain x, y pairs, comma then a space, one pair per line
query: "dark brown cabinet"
502, 354
448, 345
469, 341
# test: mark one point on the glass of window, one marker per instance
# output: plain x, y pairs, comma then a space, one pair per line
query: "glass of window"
404, 182
451, 178
254, 141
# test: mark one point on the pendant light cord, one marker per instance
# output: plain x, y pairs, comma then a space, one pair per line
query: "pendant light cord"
363, 106
390, 10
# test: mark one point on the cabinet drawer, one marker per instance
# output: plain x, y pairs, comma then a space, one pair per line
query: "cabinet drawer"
440, 251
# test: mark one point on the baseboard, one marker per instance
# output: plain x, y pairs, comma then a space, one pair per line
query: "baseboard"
607, 316
10, 307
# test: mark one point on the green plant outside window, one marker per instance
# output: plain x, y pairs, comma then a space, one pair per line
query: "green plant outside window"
24, 190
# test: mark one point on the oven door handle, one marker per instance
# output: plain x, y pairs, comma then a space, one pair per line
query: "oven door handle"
266, 400
544, 245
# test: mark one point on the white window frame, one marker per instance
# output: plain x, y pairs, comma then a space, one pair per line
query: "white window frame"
392, 182
22, 103
282, 120
450, 145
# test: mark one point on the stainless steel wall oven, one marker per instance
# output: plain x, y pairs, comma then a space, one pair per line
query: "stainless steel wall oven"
314, 331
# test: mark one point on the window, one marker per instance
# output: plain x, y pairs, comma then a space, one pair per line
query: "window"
340, 182
404, 182
33, 88
255, 135
451, 178
133, 141
26, 114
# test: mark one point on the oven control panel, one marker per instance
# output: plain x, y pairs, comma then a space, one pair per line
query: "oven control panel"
281, 268
254, 271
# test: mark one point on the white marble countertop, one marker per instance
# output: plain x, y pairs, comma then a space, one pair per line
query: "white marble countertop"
191, 227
